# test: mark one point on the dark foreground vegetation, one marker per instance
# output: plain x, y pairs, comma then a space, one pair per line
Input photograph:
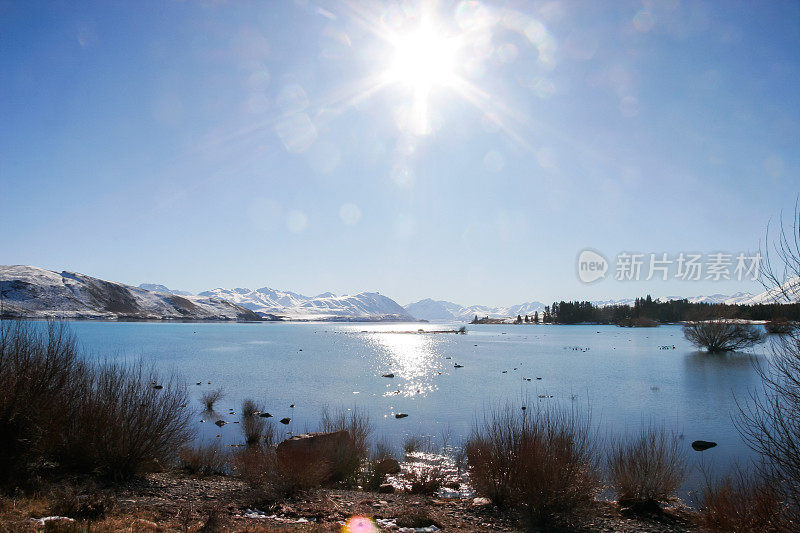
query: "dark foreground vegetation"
61, 415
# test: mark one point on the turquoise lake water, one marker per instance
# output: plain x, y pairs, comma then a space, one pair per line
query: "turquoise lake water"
622, 374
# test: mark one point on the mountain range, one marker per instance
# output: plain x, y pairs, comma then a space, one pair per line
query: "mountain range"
326, 306
27, 291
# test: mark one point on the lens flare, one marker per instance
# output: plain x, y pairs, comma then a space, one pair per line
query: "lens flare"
359, 524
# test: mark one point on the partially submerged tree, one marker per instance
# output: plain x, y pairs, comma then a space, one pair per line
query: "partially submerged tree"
722, 335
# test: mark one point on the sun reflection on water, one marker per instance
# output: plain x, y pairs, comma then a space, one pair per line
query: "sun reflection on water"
412, 358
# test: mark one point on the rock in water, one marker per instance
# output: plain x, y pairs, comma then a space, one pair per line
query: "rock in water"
702, 445
220, 423
285, 420
265, 415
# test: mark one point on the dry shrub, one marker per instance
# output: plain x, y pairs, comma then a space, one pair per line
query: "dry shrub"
205, 460
779, 326
416, 443
209, 398
275, 477
741, 502
81, 503
646, 469
424, 480
255, 428
350, 455
541, 461
58, 411
415, 516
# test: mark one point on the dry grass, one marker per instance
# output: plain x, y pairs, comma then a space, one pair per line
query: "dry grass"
540, 461
205, 460
646, 469
745, 503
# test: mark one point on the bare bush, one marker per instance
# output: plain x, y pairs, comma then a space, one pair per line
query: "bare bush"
426, 479
745, 503
779, 326
253, 426
415, 444
124, 423
56, 409
36, 368
646, 469
209, 398
541, 461
770, 420
205, 460
722, 335
348, 458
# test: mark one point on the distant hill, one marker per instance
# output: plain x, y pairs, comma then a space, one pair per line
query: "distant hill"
32, 292
155, 287
440, 310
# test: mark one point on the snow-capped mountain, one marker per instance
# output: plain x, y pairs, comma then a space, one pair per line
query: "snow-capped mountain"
326, 306
789, 292
155, 287
435, 310
732, 299
440, 310
33, 292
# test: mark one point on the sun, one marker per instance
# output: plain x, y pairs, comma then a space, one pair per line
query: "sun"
423, 58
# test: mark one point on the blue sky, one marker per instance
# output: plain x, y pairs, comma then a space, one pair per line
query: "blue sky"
205, 144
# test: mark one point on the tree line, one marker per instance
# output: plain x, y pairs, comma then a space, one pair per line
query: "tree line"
648, 311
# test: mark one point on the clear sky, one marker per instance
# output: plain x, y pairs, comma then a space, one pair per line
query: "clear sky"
465, 151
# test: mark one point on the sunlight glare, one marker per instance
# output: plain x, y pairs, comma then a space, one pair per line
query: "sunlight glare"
423, 59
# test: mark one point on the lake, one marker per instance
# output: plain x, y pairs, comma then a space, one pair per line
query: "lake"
622, 374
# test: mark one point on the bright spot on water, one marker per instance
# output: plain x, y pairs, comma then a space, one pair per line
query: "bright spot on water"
413, 360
